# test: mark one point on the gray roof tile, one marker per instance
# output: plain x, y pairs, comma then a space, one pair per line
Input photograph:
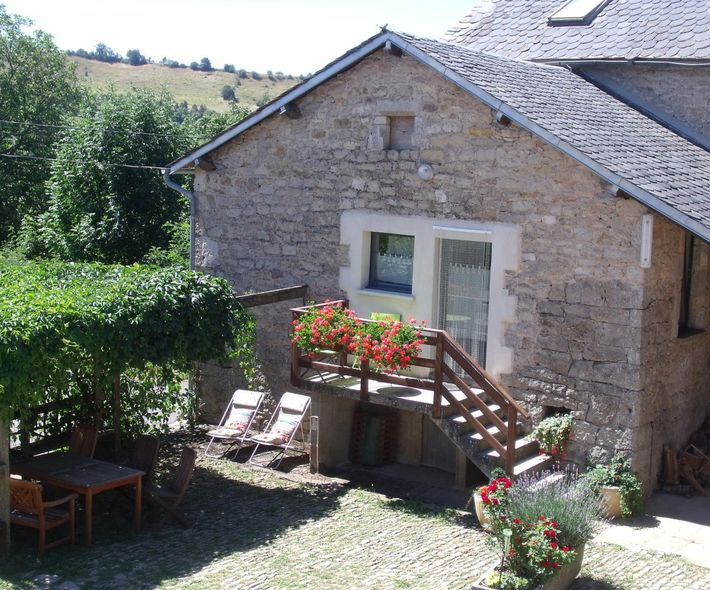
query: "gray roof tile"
625, 29
614, 135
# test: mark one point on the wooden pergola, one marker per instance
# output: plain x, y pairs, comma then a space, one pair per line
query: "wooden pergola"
248, 300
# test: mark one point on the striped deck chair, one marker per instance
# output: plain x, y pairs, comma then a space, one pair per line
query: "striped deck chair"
236, 422
282, 428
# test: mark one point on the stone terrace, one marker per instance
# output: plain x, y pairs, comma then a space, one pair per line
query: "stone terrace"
258, 529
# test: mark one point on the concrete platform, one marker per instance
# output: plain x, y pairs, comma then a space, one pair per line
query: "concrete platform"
672, 524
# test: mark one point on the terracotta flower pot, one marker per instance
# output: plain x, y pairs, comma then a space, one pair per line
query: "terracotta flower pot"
478, 503
611, 497
560, 581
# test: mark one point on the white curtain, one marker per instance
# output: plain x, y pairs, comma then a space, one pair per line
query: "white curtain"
464, 289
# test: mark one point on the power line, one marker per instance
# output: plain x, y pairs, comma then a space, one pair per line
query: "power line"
99, 164
69, 127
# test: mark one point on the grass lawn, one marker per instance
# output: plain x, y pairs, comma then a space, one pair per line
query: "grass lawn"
263, 530
183, 83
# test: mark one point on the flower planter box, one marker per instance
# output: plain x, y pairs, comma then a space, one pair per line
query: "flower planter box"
611, 497
560, 581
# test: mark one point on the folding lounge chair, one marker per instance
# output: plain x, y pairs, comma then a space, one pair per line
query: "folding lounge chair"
237, 420
283, 426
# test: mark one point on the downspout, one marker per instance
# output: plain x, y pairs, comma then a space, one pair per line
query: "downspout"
191, 197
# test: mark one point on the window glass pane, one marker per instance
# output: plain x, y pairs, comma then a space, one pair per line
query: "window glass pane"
391, 262
464, 285
578, 11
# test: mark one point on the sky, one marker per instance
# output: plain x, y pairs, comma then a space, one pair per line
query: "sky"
291, 36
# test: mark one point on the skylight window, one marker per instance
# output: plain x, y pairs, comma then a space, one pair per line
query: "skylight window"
577, 12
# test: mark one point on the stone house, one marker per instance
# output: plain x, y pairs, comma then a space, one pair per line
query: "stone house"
410, 169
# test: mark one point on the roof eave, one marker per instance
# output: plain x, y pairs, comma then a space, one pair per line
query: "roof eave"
634, 191
579, 61
351, 58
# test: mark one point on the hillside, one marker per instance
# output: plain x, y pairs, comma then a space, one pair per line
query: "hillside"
183, 83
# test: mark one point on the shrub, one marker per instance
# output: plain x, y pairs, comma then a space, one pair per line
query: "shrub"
618, 473
553, 434
561, 497
227, 93
229, 68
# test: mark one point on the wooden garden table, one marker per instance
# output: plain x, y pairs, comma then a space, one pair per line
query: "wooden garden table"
84, 476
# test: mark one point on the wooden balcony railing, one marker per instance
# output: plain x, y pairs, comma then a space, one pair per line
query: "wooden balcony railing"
448, 355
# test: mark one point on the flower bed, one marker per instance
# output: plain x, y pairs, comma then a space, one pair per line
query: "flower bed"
388, 344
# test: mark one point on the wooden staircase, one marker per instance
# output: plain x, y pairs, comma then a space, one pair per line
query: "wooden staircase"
478, 448
473, 410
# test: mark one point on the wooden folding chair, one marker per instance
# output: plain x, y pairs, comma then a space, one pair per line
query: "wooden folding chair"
169, 498
284, 424
83, 441
144, 456
27, 509
236, 421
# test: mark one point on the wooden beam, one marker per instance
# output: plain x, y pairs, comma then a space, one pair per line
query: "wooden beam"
274, 296
4, 486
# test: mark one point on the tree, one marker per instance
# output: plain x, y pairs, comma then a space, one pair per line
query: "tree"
105, 53
229, 68
98, 209
194, 65
228, 93
206, 65
136, 58
243, 74
38, 86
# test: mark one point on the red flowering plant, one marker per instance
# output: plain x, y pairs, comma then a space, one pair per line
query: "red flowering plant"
553, 433
328, 327
388, 344
530, 549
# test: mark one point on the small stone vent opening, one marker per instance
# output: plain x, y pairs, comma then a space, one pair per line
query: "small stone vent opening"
401, 132
393, 132
554, 411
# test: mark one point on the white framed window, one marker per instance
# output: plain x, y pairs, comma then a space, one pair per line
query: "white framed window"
422, 303
391, 262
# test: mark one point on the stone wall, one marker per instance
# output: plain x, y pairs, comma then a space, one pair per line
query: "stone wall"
269, 217
679, 94
675, 371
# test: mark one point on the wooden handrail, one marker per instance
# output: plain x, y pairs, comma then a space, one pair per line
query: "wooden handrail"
480, 375
444, 345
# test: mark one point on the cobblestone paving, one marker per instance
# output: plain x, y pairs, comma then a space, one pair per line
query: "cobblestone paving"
257, 530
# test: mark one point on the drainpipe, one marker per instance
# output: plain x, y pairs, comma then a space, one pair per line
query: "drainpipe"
191, 197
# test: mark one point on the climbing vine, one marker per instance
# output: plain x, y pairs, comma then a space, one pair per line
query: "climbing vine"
78, 329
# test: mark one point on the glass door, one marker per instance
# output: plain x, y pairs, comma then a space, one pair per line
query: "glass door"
464, 289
